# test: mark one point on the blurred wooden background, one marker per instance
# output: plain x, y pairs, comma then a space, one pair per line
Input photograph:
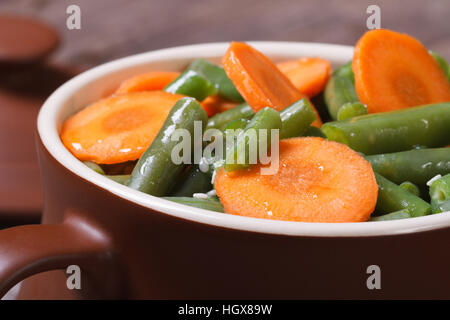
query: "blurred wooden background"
115, 28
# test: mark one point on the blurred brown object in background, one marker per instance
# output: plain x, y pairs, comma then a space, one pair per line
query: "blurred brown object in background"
25, 40
25, 82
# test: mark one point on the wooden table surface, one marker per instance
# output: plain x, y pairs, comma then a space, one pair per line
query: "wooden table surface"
115, 28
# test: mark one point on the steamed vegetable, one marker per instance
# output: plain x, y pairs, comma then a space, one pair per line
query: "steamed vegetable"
194, 181
308, 75
217, 76
392, 198
220, 120
440, 194
206, 204
155, 80
312, 184
258, 80
393, 131
118, 128
417, 166
395, 71
296, 119
156, 173
191, 84
340, 89
350, 110
239, 157
410, 187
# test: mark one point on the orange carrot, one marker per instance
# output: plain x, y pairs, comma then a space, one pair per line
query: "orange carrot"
119, 128
317, 181
308, 75
395, 71
258, 80
155, 80
215, 104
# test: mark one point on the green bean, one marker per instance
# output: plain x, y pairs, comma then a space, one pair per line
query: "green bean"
410, 187
191, 84
440, 193
417, 166
440, 206
340, 89
207, 204
296, 119
350, 110
443, 64
120, 178
155, 172
94, 166
236, 124
265, 119
217, 76
393, 198
401, 214
393, 131
220, 120
195, 181
314, 132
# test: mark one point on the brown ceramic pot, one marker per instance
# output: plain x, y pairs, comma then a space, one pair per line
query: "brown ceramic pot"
133, 245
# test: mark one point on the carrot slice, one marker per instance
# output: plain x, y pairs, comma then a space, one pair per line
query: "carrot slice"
119, 128
155, 80
317, 181
215, 104
258, 79
308, 75
395, 71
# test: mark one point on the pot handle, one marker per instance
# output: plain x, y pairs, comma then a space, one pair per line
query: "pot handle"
31, 249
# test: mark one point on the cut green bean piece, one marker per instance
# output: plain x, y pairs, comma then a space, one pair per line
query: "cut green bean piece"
94, 166
443, 64
195, 181
217, 76
155, 173
440, 206
340, 89
248, 140
393, 131
401, 214
191, 84
440, 193
121, 178
410, 187
207, 204
417, 166
392, 198
220, 120
314, 132
350, 110
296, 119
236, 124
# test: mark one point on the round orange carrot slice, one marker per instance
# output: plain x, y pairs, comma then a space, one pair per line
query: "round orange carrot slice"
395, 71
119, 128
317, 181
154, 80
258, 79
308, 75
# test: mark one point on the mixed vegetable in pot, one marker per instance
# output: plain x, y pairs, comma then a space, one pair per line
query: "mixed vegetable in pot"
365, 142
